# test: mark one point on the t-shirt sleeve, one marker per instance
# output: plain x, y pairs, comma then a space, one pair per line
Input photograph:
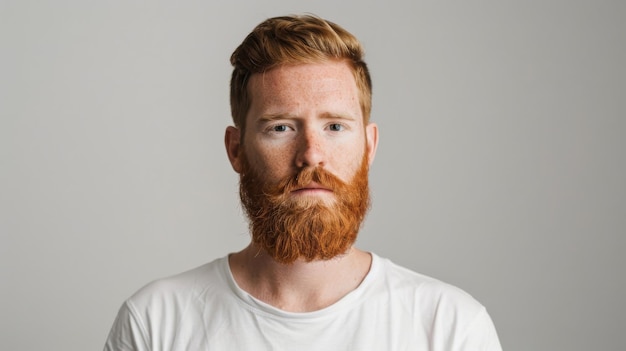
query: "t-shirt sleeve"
481, 335
128, 332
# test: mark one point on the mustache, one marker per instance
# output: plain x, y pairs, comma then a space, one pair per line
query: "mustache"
308, 175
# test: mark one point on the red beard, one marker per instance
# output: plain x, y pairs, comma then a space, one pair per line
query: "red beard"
308, 228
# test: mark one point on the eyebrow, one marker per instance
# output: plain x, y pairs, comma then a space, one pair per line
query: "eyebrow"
275, 116
326, 115
329, 115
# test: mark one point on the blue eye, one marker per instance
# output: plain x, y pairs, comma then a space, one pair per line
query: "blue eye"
280, 128
335, 127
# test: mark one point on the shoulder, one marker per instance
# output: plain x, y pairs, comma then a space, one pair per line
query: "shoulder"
177, 289
450, 315
423, 287
430, 299
153, 315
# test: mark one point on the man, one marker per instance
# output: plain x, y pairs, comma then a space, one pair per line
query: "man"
302, 144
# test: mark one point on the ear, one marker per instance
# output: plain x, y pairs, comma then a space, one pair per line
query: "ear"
232, 141
371, 134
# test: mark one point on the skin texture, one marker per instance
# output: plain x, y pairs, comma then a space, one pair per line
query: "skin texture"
294, 119
302, 116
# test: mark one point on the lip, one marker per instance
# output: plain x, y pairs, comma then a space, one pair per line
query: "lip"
312, 187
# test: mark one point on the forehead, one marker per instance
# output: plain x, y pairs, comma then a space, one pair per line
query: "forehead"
329, 84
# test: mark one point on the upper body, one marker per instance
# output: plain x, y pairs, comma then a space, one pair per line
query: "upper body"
392, 309
302, 144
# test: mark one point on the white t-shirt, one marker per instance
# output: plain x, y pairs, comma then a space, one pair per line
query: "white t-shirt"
392, 309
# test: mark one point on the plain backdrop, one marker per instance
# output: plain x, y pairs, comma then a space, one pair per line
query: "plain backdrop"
501, 167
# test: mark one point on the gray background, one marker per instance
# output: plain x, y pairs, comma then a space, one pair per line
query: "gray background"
501, 164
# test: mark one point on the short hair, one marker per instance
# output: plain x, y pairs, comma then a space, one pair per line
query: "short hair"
288, 40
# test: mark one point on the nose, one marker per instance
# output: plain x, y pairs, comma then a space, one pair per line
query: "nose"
309, 149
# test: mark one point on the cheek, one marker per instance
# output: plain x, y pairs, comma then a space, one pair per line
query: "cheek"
270, 163
344, 163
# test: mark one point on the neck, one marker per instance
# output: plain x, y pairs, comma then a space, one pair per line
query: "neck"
300, 286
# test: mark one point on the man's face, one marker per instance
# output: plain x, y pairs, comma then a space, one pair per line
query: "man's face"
301, 118
305, 116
